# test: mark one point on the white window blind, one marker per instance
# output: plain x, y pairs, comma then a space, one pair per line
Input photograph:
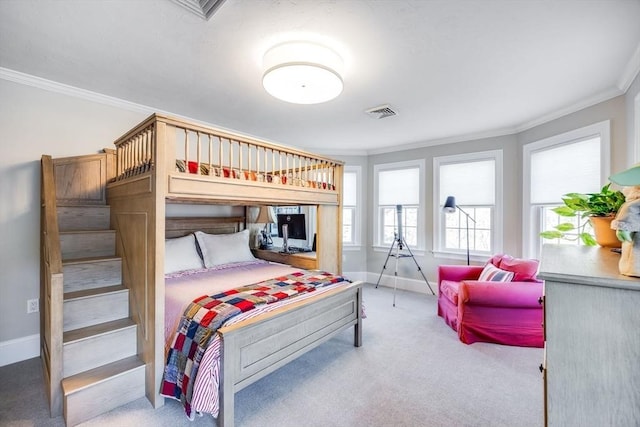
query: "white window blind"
472, 183
399, 187
569, 168
350, 189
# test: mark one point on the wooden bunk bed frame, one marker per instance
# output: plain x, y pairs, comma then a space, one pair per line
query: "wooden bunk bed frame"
167, 160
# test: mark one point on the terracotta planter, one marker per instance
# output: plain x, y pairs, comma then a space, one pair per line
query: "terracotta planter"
605, 235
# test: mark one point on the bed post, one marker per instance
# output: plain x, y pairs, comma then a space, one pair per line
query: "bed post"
226, 399
357, 328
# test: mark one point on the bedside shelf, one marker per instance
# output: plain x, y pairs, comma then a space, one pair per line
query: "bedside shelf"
306, 260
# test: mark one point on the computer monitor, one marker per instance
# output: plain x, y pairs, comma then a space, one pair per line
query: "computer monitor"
296, 225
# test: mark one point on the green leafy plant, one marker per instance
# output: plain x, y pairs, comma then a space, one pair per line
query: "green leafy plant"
605, 203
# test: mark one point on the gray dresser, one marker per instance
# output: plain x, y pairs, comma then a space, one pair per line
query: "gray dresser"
591, 361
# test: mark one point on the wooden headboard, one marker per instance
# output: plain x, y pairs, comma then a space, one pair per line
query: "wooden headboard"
181, 226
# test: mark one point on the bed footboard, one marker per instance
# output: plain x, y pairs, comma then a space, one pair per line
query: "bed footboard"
253, 349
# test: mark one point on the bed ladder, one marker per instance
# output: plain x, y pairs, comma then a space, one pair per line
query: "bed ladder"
89, 341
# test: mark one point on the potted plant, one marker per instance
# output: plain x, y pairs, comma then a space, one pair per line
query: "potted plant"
593, 209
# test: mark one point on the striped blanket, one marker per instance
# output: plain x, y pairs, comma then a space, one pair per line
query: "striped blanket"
206, 314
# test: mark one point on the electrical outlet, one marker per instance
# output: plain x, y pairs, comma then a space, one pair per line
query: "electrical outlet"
33, 305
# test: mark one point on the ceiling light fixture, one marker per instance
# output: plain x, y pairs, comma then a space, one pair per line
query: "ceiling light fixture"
302, 73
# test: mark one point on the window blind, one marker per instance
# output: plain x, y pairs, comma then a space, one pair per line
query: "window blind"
472, 183
399, 187
569, 168
350, 189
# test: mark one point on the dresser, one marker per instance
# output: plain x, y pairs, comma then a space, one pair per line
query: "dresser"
591, 366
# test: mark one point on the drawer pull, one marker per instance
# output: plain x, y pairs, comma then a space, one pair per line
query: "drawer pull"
541, 367
540, 300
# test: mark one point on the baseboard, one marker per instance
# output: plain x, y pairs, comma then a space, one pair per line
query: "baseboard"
356, 276
403, 283
19, 349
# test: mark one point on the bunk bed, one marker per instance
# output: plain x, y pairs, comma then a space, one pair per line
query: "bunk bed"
165, 160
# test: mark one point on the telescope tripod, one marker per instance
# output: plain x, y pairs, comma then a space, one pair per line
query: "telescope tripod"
399, 243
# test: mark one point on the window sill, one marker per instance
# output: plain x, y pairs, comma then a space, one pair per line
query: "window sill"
415, 251
477, 258
351, 248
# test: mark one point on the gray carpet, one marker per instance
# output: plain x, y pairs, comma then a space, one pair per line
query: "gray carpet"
410, 371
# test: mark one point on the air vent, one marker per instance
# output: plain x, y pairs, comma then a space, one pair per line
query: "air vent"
381, 112
203, 8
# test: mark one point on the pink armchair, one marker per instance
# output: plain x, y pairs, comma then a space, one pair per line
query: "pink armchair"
500, 312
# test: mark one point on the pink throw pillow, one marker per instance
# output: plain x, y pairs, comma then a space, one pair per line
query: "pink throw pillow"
524, 269
495, 260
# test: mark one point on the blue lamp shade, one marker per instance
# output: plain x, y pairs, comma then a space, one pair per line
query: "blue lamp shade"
450, 205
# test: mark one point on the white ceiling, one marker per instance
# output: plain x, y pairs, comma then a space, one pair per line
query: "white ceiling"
452, 69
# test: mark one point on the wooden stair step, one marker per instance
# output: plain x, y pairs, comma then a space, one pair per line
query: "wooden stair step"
92, 346
93, 306
84, 217
93, 272
87, 243
94, 392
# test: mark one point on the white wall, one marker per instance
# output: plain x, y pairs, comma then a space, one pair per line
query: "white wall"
36, 122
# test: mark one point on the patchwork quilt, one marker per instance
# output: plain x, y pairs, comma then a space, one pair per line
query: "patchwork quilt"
206, 314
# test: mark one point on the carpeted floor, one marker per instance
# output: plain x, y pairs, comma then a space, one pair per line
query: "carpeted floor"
410, 371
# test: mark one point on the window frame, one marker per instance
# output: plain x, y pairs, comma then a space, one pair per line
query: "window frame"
439, 250
377, 225
636, 146
532, 214
357, 216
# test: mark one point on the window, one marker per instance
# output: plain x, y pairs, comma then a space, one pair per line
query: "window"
273, 228
475, 180
351, 206
398, 194
573, 162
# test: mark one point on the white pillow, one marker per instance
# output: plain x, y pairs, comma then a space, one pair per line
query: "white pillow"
181, 254
218, 249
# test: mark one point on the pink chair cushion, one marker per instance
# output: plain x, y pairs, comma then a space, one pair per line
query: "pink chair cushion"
449, 289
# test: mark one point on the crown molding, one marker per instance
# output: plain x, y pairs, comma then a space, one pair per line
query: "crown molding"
449, 140
630, 71
64, 89
337, 152
49, 85
588, 102
602, 97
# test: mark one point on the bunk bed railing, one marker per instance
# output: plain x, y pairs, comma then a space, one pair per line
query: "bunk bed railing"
204, 151
135, 151
51, 289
